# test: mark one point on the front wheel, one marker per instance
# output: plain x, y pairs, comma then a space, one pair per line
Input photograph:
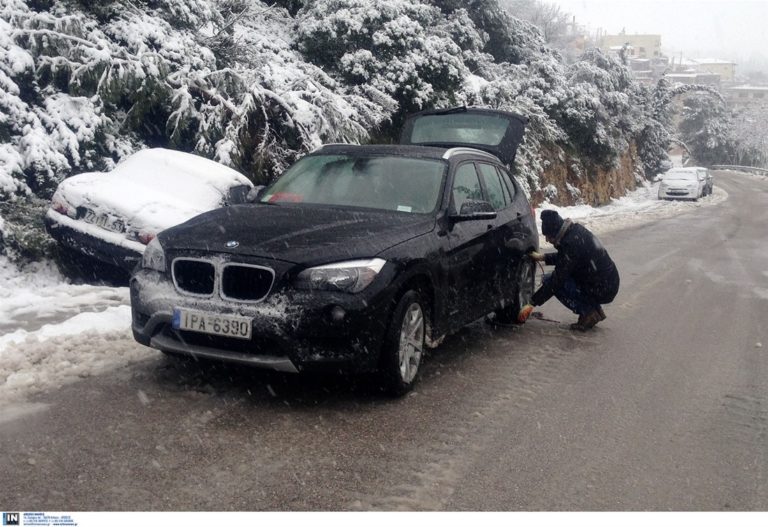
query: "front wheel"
403, 346
525, 276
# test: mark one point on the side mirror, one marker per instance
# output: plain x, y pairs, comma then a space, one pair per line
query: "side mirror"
238, 194
475, 209
255, 193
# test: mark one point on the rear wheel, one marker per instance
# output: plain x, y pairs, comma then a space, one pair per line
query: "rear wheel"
404, 345
525, 275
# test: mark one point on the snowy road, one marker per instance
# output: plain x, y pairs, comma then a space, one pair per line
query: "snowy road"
662, 407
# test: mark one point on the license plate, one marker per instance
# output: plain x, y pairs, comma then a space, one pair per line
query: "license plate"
104, 221
222, 325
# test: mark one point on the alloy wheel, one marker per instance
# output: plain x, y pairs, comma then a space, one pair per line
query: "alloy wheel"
524, 292
411, 342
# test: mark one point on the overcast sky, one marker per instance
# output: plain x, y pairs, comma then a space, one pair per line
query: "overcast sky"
735, 29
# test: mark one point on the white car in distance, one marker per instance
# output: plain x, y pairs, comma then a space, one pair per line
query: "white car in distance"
683, 183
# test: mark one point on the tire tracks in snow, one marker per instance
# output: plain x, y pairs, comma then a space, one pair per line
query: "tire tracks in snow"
506, 378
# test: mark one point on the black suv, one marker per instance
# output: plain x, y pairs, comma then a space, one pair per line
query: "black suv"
355, 259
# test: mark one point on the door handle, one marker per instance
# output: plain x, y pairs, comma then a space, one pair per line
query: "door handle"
489, 227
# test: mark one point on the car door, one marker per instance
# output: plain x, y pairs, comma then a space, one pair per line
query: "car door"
470, 261
702, 177
511, 235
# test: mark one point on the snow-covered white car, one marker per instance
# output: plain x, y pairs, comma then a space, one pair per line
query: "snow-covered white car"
683, 183
112, 216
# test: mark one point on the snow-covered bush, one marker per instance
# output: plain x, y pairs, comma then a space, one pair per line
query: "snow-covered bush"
82, 85
402, 48
750, 132
22, 236
705, 127
601, 114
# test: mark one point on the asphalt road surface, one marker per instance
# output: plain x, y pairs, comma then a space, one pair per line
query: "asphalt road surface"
664, 406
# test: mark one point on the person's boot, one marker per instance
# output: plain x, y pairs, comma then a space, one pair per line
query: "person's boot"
601, 313
587, 322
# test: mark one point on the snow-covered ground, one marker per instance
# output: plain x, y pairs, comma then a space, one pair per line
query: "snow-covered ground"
53, 332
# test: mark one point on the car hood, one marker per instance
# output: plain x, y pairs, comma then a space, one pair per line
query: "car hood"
297, 234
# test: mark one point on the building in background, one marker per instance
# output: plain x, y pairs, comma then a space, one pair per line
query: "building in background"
708, 79
640, 46
712, 72
725, 68
746, 95
641, 53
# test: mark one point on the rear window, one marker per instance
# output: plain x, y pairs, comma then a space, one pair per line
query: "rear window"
460, 128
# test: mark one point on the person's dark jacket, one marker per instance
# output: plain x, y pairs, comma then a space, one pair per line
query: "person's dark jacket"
582, 257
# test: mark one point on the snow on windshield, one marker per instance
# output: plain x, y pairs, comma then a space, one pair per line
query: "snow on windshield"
53, 332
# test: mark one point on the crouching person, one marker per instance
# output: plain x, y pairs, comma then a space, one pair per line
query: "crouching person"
584, 277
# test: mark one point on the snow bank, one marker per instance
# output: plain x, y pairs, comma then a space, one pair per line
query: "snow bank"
39, 294
53, 332
57, 354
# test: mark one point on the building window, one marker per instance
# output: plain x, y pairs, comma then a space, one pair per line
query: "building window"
759, 95
742, 95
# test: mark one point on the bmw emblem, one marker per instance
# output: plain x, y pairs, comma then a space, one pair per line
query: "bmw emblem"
231, 244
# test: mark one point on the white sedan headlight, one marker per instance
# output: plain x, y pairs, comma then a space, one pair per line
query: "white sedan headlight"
352, 276
154, 256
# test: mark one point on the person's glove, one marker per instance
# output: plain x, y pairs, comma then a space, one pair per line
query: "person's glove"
536, 256
525, 312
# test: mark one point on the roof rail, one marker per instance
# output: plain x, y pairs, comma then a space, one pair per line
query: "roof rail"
456, 151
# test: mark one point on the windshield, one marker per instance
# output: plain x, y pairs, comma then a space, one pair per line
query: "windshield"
378, 182
460, 128
686, 176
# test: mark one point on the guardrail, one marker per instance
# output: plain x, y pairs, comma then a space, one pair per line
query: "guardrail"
751, 170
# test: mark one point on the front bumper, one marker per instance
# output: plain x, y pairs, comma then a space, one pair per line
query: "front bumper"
120, 252
678, 193
292, 330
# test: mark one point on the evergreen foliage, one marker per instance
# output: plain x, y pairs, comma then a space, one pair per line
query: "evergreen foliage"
706, 128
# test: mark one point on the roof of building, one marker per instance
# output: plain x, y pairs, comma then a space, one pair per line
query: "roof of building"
713, 61
683, 75
747, 87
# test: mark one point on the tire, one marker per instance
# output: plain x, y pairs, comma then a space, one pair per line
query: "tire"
524, 278
403, 348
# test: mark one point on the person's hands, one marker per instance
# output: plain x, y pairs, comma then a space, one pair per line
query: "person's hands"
525, 312
536, 256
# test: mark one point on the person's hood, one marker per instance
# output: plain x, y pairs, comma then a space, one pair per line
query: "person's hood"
299, 234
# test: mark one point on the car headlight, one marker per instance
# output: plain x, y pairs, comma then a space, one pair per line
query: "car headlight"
352, 276
154, 256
